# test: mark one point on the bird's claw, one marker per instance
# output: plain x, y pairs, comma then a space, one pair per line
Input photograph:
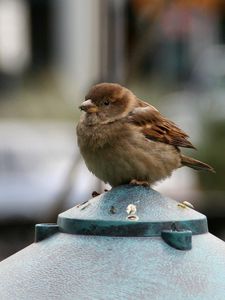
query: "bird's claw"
139, 182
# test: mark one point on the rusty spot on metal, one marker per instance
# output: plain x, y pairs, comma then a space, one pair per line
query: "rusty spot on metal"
84, 205
81, 204
112, 210
174, 227
95, 194
132, 217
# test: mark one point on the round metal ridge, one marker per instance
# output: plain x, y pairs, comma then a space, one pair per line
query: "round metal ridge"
131, 211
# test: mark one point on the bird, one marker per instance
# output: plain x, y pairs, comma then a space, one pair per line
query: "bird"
125, 140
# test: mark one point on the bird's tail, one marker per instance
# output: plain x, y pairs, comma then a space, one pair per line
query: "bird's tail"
195, 164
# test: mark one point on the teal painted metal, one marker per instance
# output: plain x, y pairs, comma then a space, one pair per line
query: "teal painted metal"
43, 231
69, 265
181, 240
107, 215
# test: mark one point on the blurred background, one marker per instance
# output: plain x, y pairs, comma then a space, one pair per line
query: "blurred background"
170, 53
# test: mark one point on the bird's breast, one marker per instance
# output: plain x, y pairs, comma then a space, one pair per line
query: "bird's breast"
97, 136
117, 156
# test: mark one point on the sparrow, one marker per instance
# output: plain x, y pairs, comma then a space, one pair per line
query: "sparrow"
125, 140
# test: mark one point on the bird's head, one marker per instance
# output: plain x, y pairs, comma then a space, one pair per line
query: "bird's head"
106, 102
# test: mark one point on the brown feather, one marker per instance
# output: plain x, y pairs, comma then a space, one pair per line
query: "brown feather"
157, 128
195, 164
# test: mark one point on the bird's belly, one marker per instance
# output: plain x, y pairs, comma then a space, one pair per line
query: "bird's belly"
142, 160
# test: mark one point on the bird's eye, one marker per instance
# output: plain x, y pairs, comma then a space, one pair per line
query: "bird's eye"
106, 102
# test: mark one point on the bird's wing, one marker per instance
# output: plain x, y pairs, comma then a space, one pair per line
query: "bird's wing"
156, 127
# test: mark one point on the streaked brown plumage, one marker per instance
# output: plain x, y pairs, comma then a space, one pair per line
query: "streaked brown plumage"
126, 140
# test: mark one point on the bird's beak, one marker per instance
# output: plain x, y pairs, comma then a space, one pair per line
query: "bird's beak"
88, 106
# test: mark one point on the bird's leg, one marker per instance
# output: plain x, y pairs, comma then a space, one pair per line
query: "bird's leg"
139, 182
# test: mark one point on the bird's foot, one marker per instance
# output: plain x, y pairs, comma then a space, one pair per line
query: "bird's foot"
139, 182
